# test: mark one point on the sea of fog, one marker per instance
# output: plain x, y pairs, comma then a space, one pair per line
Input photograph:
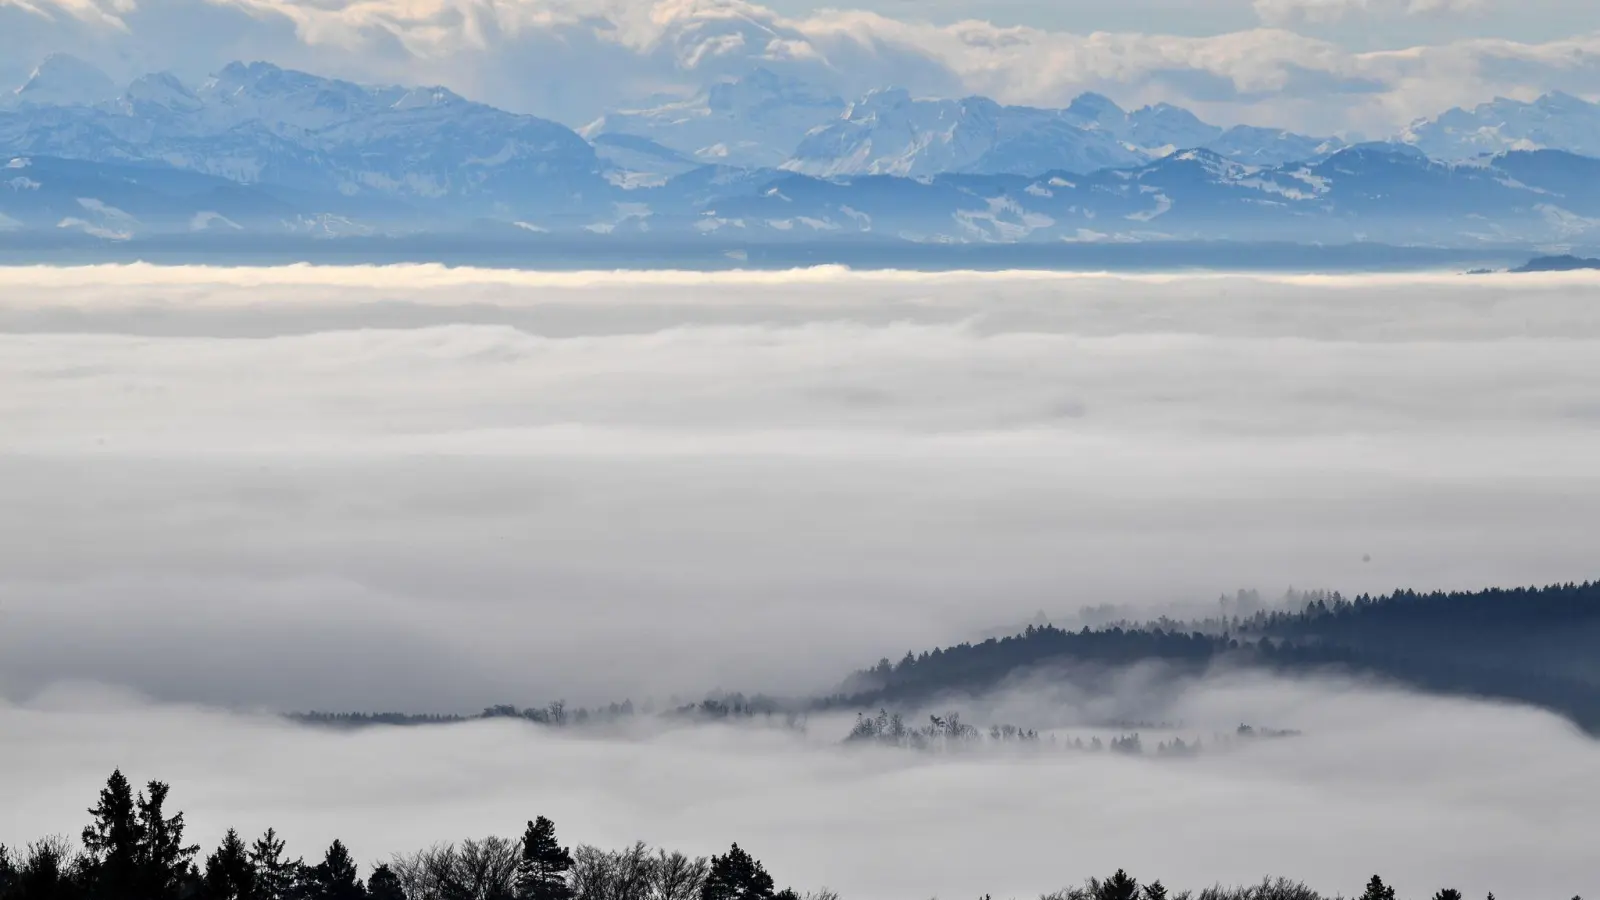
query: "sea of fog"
228, 492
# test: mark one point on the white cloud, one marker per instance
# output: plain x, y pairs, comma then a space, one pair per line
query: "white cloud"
1295, 12
572, 59
95, 12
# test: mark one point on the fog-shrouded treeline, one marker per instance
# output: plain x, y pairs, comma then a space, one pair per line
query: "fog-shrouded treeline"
135, 847
948, 732
558, 714
1526, 645
1529, 645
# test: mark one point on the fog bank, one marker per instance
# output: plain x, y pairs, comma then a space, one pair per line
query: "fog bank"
1427, 792
433, 489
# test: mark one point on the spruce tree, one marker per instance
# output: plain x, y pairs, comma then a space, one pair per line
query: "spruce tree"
164, 860
542, 871
1377, 890
736, 875
335, 877
277, 876
112, 841
1118, 887
1155, 890
229, 874
1448, 894
384, 884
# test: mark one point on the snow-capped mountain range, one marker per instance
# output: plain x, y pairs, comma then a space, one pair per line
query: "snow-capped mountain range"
1554, 121
762, 120
259, 148
258, 124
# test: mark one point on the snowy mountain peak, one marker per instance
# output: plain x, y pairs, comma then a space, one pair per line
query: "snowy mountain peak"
238, 82
160, 91
1563, 103
885, 98
287, 101
1096, 109
895, 105
1555, 120
753, 121
1164, 128
63, 80
887, 132
427, 98
1166, 112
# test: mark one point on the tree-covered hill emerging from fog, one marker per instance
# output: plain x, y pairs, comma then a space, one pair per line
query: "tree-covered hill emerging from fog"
134, 847
1528, 645
1535, 646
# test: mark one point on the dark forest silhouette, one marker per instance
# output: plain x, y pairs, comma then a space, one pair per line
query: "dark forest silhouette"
1528, 645
134, 848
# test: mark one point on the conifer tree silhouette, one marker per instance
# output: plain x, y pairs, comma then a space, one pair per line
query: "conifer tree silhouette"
542, 871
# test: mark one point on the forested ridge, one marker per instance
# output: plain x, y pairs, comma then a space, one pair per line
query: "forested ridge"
135, 848
1537, 645
1533, 645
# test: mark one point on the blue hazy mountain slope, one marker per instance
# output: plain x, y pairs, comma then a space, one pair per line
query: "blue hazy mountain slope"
261, 149
260, 124
764, 120
752, 121
1555, 121
62, 80
1368, 192
120, 200
889, 133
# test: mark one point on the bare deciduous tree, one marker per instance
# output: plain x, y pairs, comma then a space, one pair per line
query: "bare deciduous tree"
677, 877
483, 869
613, 874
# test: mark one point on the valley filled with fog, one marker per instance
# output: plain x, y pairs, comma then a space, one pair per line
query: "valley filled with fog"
233, 493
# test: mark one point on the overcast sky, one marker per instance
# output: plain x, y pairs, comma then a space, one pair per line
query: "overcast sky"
1353, 66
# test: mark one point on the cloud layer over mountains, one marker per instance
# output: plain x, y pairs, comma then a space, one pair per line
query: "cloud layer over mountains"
572, 60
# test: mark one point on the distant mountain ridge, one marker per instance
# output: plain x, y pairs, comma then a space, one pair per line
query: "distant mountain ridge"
259, 148
764, 120
1563, 263
260, 124
754, 122
1555, 121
